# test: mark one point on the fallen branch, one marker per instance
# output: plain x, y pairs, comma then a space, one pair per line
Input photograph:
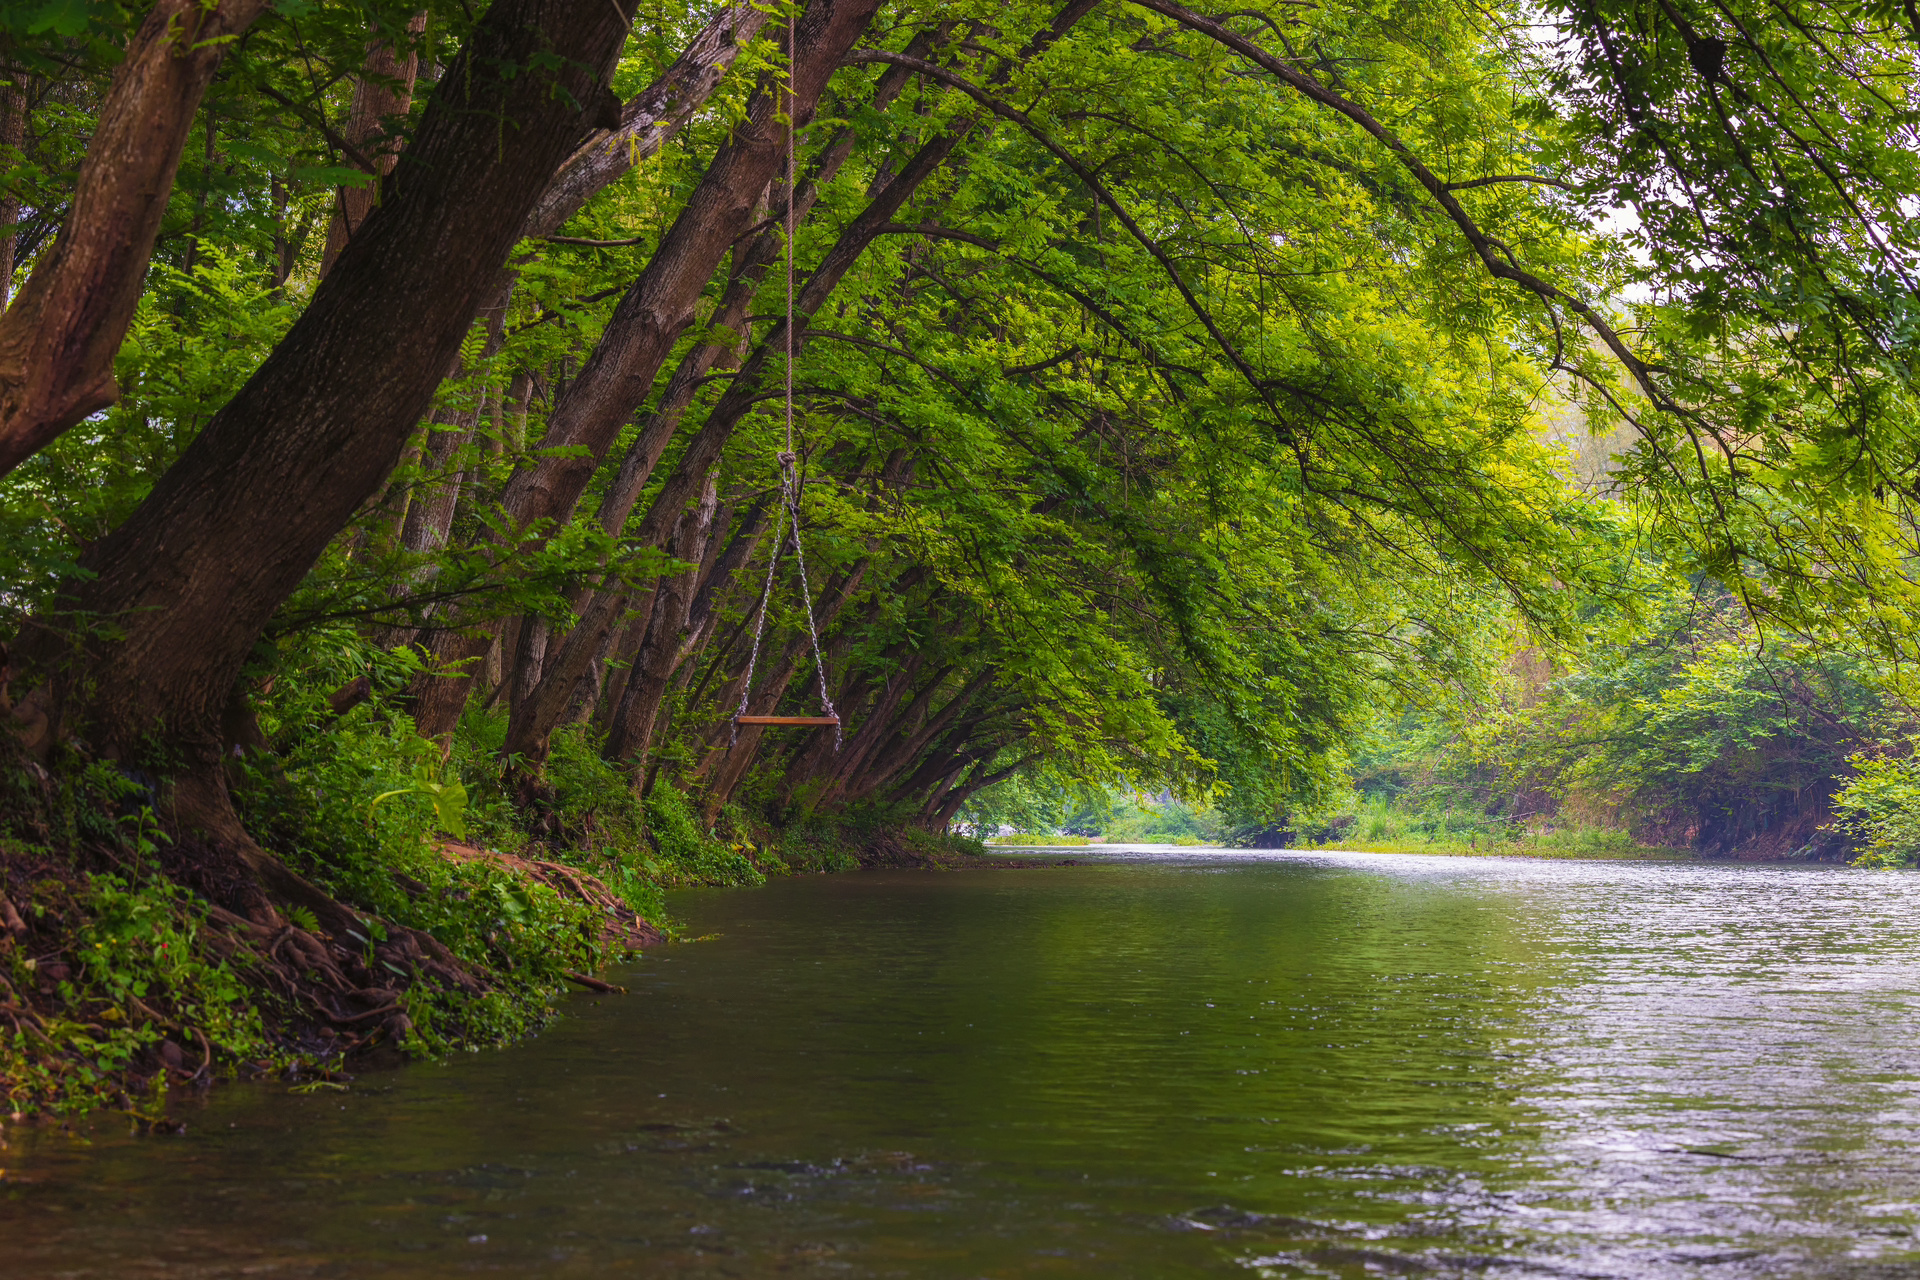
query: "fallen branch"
593, 984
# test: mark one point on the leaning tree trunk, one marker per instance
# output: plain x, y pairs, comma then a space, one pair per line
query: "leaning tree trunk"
13, 134
58, 339
659, 651
940, 814
550, 489
659, 306
143, 651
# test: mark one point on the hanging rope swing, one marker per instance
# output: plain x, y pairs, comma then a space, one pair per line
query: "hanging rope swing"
786, 521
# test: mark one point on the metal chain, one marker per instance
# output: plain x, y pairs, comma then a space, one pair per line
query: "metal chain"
759, 625
790, 486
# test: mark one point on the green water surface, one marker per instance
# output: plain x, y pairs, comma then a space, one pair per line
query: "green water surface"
1192, 1064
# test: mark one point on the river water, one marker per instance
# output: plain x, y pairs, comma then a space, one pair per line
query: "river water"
1191, 1064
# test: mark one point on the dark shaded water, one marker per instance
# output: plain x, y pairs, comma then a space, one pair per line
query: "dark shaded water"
1276, 1065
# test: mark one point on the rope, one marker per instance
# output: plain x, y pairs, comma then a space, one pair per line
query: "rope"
791, 20
788, 519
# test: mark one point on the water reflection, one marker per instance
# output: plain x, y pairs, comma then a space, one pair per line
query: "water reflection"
1303, 1065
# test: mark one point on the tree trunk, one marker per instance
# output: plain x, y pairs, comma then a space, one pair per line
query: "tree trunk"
732, 314
13, 135
58, 339
382, 97
720, 548
549, 490
655, 115
191, 579
622, 652
940, 811
660, 650
704, 449
618, 375
884, 723
900, 758
428, 521
453, 660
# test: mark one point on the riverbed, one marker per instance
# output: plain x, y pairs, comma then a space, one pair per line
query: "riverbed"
1171, 1063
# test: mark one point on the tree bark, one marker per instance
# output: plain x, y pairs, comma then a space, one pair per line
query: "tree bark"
660, 649
619, 374
884, 723
900, 759
939, 812
732, 315
648, 121
58, 339
13, 135
550, 488
703, 450
190, 580
453, 659
382, 96
720, 546
431, 508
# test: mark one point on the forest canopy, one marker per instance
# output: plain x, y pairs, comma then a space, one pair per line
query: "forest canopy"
435, 419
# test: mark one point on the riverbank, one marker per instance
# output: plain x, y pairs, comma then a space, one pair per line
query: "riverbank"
1546, 848
136, 962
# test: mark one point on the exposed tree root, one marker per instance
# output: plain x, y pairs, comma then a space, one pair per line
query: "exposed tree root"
334, 987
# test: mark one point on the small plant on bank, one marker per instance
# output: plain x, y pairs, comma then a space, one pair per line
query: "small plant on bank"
1879, 807
114, 989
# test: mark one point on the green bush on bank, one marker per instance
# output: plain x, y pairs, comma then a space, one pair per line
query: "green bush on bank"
359, 803
1422, 823
690, 855
134, 971
115, 969
358, 810
813, 843
1879, 807
815, 848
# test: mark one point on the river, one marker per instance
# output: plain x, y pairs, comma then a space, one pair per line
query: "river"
1162, 1064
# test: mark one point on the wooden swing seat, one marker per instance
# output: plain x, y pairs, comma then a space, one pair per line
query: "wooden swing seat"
818, 722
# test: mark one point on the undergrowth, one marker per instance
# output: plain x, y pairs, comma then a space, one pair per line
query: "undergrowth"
112, 987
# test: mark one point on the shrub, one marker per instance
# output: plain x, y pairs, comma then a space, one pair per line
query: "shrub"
1879, 808
688, 855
